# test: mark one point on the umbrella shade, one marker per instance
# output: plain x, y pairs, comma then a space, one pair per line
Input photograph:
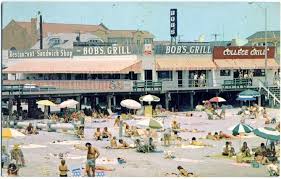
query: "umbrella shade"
11, 133
149, 98
267, 133
249, 93
151, 123
130, 104
241, 128
45, 103
241, 98
68, 103
217, 99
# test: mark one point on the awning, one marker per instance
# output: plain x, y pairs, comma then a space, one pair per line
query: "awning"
246, 63
181, 62
108, 65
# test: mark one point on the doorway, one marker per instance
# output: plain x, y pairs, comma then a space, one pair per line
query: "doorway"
148, 75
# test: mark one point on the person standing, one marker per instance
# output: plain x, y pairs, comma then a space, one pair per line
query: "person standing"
92, 155
195, 78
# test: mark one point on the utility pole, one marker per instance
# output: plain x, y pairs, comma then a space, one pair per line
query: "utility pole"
215, 35
41, 30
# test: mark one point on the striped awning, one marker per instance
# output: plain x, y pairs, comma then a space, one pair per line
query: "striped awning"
246, 63
181, 62
107, 65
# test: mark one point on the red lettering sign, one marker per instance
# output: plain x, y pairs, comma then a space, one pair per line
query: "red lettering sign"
242, 52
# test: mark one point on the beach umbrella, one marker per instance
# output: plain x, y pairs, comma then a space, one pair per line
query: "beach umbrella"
149, 98
267, 133
130, 104
45, 103
217, 100
8, 133
241, 128
68, 103
246, 98
249, 93
151, 123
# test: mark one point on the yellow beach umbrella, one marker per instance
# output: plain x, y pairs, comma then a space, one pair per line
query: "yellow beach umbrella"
45, 103
8, 133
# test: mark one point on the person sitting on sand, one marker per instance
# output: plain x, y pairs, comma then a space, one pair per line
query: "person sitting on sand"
224, 136
261, 159
197, 143
210, 136
151, 146
184, 173
261, 150
245, 150
128, 131
175, 125
113, 143
123, 144
13, 170
98, 135
135, 132
63, 169
222, 114
105, 133
117, 121
167, 137
30, 129
139, 146
228, 150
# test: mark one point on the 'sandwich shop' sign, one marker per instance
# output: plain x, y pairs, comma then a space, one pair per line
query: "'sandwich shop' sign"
242, 52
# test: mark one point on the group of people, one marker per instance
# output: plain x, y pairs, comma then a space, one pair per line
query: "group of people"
218, 136
198, 80
100, 135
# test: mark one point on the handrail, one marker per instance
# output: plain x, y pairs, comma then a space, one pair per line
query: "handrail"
261, 85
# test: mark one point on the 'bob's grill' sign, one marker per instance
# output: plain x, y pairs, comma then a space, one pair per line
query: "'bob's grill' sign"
183, 49
242, 52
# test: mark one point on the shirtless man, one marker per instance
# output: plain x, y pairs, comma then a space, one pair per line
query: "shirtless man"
92, 155
113, 143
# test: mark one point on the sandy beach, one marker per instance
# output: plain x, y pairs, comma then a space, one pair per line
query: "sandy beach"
40, 159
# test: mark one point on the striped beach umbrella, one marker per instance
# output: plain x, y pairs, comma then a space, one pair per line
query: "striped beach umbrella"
217, 99
241, 128
267, 133
249, 93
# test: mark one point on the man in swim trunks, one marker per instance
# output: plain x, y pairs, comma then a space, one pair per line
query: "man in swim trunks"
92, 155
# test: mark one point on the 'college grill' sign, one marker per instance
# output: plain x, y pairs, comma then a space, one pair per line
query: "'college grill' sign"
173, 22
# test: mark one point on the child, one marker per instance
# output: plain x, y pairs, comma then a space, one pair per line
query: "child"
63, 169
183, 172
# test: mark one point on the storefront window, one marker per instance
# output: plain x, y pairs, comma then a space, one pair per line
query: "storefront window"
165, 75
225, 73
259, 72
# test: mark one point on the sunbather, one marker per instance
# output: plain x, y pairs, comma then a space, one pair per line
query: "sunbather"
106, 133
117, 121
210, 136
224, 136
197, 143
228, 150
216, 136
184, 173
98, 135
175, 125
123, 144
128, 131
113, 143
245, 150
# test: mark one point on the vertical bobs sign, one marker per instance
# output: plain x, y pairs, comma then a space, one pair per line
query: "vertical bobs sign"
173, 22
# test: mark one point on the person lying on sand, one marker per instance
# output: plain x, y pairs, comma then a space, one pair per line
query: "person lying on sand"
184, 173
189, 114
123, 144
30, 130
224, 136
175, 125
98, 135
195, 131
210, 136
216, 136
197, 143
128, 131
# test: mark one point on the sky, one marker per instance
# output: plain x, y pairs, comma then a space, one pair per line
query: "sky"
228, 19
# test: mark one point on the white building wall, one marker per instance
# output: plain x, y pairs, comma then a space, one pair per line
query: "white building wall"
218, 80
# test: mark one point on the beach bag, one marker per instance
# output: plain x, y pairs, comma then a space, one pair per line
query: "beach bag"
255, 164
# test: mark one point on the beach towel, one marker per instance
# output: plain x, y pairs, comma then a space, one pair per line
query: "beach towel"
106, 161
190, 147
32, 146
187, 160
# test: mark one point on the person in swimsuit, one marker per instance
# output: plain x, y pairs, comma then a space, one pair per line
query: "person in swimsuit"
106, 133
113, 143
63, 169
183, 172
123, 144
98, 135
92, 155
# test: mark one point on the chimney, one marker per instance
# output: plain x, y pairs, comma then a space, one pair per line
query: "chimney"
34, 32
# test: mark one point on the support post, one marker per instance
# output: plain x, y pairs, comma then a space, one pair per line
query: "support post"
109, 101
114, 101
78, 106
167, 101
191, 101
46, 112
10, 107
259, 100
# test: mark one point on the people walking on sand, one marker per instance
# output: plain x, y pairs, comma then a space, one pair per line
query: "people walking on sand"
92, 155
63, 169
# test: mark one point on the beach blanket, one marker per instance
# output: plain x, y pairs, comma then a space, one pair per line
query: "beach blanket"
187, 160
190, 147
220, 156
69, 142
241, 164
32, 146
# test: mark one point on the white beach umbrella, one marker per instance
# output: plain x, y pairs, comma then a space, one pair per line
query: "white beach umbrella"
130, 104
68, 103
149, 98
8, 133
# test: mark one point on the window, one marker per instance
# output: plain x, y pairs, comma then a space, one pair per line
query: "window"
225, 73
259, 72
147, 41
138, 42
54, 41
165, 75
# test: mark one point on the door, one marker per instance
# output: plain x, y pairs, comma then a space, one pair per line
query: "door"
148, 75
179, 78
